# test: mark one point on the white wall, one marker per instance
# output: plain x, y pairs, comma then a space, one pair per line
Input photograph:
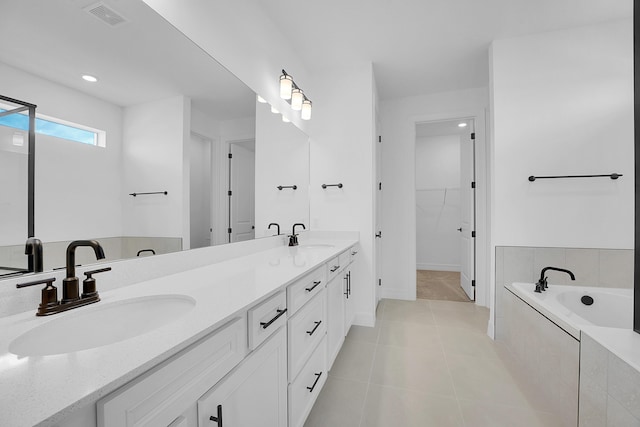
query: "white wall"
156, 158
282, 159
342, 146
438, 212
78, 187
398, 117
563, 105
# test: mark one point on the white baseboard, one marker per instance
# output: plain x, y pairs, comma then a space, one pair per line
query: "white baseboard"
402, 294
438, 267
365, 319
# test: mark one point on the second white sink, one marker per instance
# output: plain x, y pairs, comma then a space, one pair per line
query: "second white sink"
101, 324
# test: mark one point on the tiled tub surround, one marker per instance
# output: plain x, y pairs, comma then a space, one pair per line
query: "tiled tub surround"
547, 354
223, 281
115, 248
609, 268
609, 377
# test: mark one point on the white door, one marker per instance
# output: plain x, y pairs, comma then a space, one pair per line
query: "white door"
242, 186
335, 318
378, 218
200, 192
467, 214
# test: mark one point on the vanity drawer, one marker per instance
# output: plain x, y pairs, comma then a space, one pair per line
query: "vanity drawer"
344, 258
304, 289
306, 329
162, 395
333, 268
305, 389
265, 318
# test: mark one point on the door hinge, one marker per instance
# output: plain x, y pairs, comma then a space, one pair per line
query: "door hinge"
473, 234
473, 135
379, 282
473, 184
230, 156
379, 186
379, 138
473, 283
229, 193
229, 230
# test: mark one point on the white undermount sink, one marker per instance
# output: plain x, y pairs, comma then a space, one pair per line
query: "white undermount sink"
316, 246
101, 324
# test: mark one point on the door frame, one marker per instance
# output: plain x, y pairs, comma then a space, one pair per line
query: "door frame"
482, 205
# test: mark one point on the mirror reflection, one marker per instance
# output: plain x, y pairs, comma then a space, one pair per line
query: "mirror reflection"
144, 164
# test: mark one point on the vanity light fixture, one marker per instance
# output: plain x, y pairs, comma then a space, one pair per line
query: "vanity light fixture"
261, 100
305, 114
462, 125
290, 91
89, 78
286, 84
296, 99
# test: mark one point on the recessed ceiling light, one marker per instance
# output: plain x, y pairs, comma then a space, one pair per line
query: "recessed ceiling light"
89, 78
261, 100
462, 125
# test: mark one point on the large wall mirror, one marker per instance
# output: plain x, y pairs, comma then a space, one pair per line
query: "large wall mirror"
163, 118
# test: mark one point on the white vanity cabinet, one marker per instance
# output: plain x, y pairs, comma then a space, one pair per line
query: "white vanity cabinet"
166, 395
253, 394
340, 303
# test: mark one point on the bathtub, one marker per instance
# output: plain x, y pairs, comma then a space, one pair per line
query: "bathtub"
563, 305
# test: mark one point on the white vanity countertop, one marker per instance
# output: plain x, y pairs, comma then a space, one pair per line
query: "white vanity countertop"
44, 390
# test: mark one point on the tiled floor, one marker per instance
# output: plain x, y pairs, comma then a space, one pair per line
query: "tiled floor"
426, 363
439, 285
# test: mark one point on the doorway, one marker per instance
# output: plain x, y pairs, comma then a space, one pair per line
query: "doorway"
241, 193
445, 209
200, 190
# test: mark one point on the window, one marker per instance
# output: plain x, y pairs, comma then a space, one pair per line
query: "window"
56, 128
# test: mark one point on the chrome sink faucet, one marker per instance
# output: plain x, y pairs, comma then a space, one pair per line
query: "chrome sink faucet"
293, 238
542, 285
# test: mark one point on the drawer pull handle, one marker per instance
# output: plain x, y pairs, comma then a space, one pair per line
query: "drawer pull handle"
265, 325
218, 419
315, 382
335, 267
314, 286
315, 327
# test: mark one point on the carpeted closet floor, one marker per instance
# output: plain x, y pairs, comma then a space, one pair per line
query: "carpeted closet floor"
440, 285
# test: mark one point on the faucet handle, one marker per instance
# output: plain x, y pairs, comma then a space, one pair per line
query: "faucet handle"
89, 284
49, 299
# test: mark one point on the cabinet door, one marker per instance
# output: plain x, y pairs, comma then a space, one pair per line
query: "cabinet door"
335, 318
254, 394
349, 306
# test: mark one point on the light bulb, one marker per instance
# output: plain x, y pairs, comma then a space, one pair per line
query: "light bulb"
284, 119
286, 84
462, 125
261, 100
274, 110
306, 110
89, 78
296, 99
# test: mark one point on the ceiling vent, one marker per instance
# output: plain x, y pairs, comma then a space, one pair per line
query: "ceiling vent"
106, 14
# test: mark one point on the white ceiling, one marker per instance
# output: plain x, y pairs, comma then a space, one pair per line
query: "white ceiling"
424, 46
142, 60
